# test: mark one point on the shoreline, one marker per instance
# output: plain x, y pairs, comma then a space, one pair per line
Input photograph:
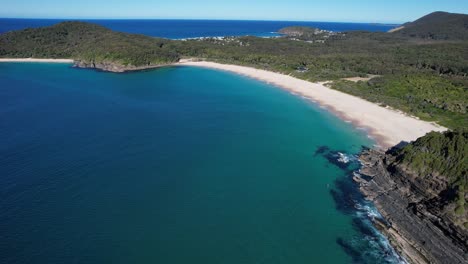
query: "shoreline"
106, 67
422, 234
36, 60
388, 127
370, 117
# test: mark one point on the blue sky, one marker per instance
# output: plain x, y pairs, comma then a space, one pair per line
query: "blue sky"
384, 11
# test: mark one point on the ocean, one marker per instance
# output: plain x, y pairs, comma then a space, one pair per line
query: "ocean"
179, 29
175, 165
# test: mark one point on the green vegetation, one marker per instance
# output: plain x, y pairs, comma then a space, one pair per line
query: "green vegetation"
444, 154
357, 53
87, 42
439, 153
427, 96
425, 79
438, 26
423, 76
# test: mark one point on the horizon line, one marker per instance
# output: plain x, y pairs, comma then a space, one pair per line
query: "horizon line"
206, 19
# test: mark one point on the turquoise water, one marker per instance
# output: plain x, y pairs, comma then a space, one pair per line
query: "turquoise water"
175, 165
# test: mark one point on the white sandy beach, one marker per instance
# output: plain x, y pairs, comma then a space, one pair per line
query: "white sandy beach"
37, 60
389, 127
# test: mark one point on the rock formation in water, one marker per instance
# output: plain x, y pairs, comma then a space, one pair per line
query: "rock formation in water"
420, 191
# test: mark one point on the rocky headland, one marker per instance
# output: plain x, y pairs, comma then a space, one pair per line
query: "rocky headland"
425, 217
115, 67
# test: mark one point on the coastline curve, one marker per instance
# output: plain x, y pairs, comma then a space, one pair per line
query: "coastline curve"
387, 126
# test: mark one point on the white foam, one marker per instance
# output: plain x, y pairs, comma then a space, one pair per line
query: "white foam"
343, 158
368, 212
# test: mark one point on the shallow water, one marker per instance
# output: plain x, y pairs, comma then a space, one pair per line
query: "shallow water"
175, 165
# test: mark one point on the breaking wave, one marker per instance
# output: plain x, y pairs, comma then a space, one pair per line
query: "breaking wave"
370, 246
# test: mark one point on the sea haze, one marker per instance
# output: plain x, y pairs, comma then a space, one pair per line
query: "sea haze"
178, 29
175, 165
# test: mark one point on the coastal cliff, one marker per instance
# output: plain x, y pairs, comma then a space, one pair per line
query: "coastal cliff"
110, 66
423, 205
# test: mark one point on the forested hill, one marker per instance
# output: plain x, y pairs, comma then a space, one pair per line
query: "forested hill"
437, 26
88, 43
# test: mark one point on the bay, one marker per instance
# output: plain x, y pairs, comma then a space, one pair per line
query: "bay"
174, 165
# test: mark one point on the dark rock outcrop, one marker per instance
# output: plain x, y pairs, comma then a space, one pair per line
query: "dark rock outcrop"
115, 67
416, 223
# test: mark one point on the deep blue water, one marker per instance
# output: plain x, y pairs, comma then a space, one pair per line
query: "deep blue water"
175, 165
177, 29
